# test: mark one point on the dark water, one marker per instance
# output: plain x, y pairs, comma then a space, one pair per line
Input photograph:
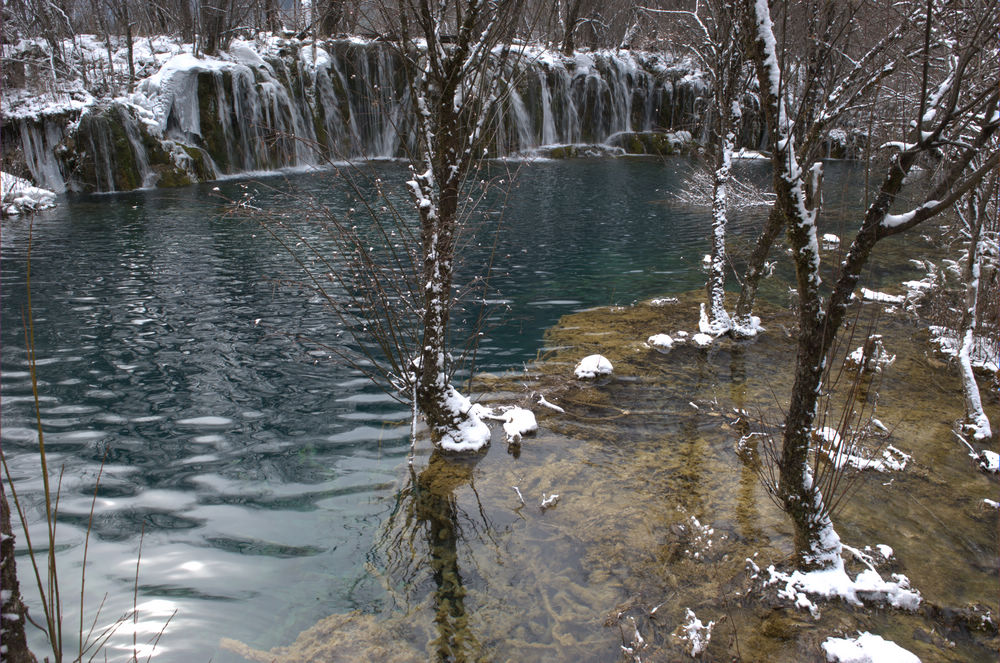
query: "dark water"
266, 481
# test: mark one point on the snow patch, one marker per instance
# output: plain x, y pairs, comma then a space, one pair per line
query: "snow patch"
592, 366
866, 648
747, 328
875, 296
702, 340
517, 422
983, 354
833, 582
696, 634
841, 455
471, 433
874, 360
663, 301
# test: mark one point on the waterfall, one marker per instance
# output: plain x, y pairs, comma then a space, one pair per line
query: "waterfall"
146, 176
548, 121
298, 105
39, 141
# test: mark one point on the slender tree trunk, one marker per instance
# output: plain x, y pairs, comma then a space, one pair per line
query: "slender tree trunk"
977, 421
213, 19
815, 541
569, 33
743, 322
187, 21
129, 46
333, 13
13, 610
718, 317
434, 392
271, 21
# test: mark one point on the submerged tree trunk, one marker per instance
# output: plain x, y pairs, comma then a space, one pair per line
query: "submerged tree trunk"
436, 509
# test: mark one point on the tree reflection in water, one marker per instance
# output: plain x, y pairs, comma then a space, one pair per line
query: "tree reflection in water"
423, 533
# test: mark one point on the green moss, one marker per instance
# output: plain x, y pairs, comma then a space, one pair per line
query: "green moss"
213, 136
199, 160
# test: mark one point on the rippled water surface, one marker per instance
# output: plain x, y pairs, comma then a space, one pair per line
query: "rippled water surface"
266, 480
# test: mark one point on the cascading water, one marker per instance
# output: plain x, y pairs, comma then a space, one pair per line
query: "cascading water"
299, 105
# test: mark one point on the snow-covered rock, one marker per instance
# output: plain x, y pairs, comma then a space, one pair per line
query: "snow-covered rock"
20, 195
702, 340
592, 366
661, 341
517, 422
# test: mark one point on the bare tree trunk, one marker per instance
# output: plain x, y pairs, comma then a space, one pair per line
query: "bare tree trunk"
330, 18
718, 317
569, 26
271, 21
940, 114
13, 610
187, 21
976, 420
743, 320
213, 22
455, 89
129, 45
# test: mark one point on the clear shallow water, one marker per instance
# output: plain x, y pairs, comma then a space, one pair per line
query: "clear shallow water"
266, 480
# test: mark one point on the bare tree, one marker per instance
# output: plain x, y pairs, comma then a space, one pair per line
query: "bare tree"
827, 77
717, 45
978, 218
955, 122
455, 88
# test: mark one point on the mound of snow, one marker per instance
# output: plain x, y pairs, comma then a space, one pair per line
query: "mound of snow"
20, 195
702, 340
663, 301
472, 434
661, 341
592, 366
866, 648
